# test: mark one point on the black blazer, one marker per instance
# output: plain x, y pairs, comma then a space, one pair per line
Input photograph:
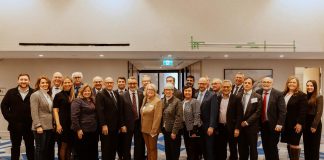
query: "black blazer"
128, 118
296, 110
16, 110
109, 112
209, 109
240, 92
276, 110
234, 112
252, 113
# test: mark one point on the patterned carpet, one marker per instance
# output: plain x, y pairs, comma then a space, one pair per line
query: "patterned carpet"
5, 146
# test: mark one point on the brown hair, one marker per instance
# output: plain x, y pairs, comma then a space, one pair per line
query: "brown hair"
80, 94
38, 82
312, 98
286, 90
24, 74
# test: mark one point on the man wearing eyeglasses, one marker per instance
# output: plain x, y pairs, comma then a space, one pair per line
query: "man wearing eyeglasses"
272, 117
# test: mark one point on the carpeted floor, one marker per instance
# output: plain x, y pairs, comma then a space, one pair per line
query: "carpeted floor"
6, 144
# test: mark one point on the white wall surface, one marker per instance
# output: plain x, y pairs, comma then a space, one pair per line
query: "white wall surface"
160, 25
281, 68
10, 69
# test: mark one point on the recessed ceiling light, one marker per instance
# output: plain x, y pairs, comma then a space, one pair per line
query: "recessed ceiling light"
282, 56
101, 55
226, 55
40, 55
169, 55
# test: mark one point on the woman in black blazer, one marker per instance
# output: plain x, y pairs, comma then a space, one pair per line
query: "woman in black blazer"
296, 102
313, 126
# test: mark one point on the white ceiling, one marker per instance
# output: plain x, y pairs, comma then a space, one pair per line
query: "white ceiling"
152, 60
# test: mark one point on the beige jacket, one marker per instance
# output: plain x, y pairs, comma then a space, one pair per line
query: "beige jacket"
151, 115
41, 112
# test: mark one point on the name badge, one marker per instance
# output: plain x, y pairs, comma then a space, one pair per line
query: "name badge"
254, 100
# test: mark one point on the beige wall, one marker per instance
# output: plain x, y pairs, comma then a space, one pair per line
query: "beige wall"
9, 70
281, 68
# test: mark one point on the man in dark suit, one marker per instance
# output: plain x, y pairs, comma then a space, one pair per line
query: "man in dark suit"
208, 112
131, 122
248, 137
229, 119
273, 116
15, 108
145, 80
97, 82
238, 87
109, 115
190, 81
177, 93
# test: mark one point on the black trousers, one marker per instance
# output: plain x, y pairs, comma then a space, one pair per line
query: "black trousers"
139, 143
193, 146
247, 144
224, 137
312, 141
44, 145
208, 145
270, 139
109, 145
87, 147
172, 146
16, 138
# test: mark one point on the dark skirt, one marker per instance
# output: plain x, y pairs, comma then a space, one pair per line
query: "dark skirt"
289, 136
67, 136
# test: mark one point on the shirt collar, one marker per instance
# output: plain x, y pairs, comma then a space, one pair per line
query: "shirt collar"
20, 90
249, 92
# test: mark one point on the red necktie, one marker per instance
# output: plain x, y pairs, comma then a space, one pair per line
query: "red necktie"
134, 106
264, 107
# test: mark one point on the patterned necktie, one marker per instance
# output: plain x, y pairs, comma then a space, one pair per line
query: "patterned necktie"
264, 107
243, 101
113, 97
134, 106
200, 97
236, 90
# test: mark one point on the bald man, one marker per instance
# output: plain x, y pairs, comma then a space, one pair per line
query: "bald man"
57, 81
109, 115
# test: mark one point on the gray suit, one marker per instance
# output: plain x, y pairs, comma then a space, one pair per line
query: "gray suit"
41, 112
191, 114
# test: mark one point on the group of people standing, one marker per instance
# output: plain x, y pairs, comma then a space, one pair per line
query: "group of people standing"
76, 116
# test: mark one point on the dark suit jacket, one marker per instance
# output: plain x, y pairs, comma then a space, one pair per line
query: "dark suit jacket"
109, 112
276, 110
239, 93
128, 118
234, 112
296, 110
209, 109
16, 110
252, 113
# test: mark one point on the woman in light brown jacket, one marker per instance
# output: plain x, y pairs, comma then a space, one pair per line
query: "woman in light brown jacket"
151, 114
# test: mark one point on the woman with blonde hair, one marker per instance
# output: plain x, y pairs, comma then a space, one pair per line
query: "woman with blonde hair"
296, 102
62, 116
84, 124
151, 114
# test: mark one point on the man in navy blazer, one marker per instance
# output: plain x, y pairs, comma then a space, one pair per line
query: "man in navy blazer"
209, 110
131, 122
273, 117
248, 137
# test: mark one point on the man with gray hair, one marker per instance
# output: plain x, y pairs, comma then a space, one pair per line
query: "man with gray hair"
109, 115
216, 86
57, 81
77, 82
229, 118
97, 82
273, 116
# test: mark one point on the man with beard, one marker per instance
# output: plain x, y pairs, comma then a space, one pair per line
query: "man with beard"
15, 108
